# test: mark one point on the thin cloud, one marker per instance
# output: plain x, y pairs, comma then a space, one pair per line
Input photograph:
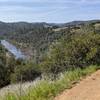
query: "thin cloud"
48, 10
46, 3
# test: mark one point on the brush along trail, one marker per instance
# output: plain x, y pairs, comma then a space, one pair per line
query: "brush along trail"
87, 89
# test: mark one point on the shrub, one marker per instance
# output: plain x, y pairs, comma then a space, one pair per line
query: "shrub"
27, 71
82, 50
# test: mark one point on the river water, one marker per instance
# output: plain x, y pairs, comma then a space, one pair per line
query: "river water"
12, 49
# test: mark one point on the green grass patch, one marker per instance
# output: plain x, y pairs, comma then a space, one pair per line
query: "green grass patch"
46, 90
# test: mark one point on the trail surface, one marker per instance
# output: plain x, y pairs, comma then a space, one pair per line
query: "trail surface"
87, 89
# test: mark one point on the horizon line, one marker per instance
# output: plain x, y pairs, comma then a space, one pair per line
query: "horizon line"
47, 22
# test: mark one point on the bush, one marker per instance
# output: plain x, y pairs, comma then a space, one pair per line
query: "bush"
82, 50
4, 78
27, 71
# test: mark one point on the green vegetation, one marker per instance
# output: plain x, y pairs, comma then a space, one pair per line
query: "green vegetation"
12, 69
81, 50
3, 70
28, 71
59, 57
47, 90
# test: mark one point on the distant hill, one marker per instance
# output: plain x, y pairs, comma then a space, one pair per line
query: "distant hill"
6, 28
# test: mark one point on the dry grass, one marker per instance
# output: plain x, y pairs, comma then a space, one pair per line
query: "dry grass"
44, 89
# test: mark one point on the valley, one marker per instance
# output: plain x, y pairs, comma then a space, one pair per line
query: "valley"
40, 60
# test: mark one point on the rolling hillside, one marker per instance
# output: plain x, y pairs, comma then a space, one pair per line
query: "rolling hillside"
35, 38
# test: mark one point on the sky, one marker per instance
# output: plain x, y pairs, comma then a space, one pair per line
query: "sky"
52, 11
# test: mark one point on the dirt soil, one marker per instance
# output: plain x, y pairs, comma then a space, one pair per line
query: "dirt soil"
87, 89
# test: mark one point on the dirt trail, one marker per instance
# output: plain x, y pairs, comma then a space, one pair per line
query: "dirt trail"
87, 89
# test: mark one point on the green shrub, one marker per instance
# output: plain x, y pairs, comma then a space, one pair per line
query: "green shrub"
82, 50
25, 72
4, 78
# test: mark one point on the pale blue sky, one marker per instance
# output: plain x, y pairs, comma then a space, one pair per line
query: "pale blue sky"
58, 11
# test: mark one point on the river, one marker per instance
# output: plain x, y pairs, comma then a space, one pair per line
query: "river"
12, 49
